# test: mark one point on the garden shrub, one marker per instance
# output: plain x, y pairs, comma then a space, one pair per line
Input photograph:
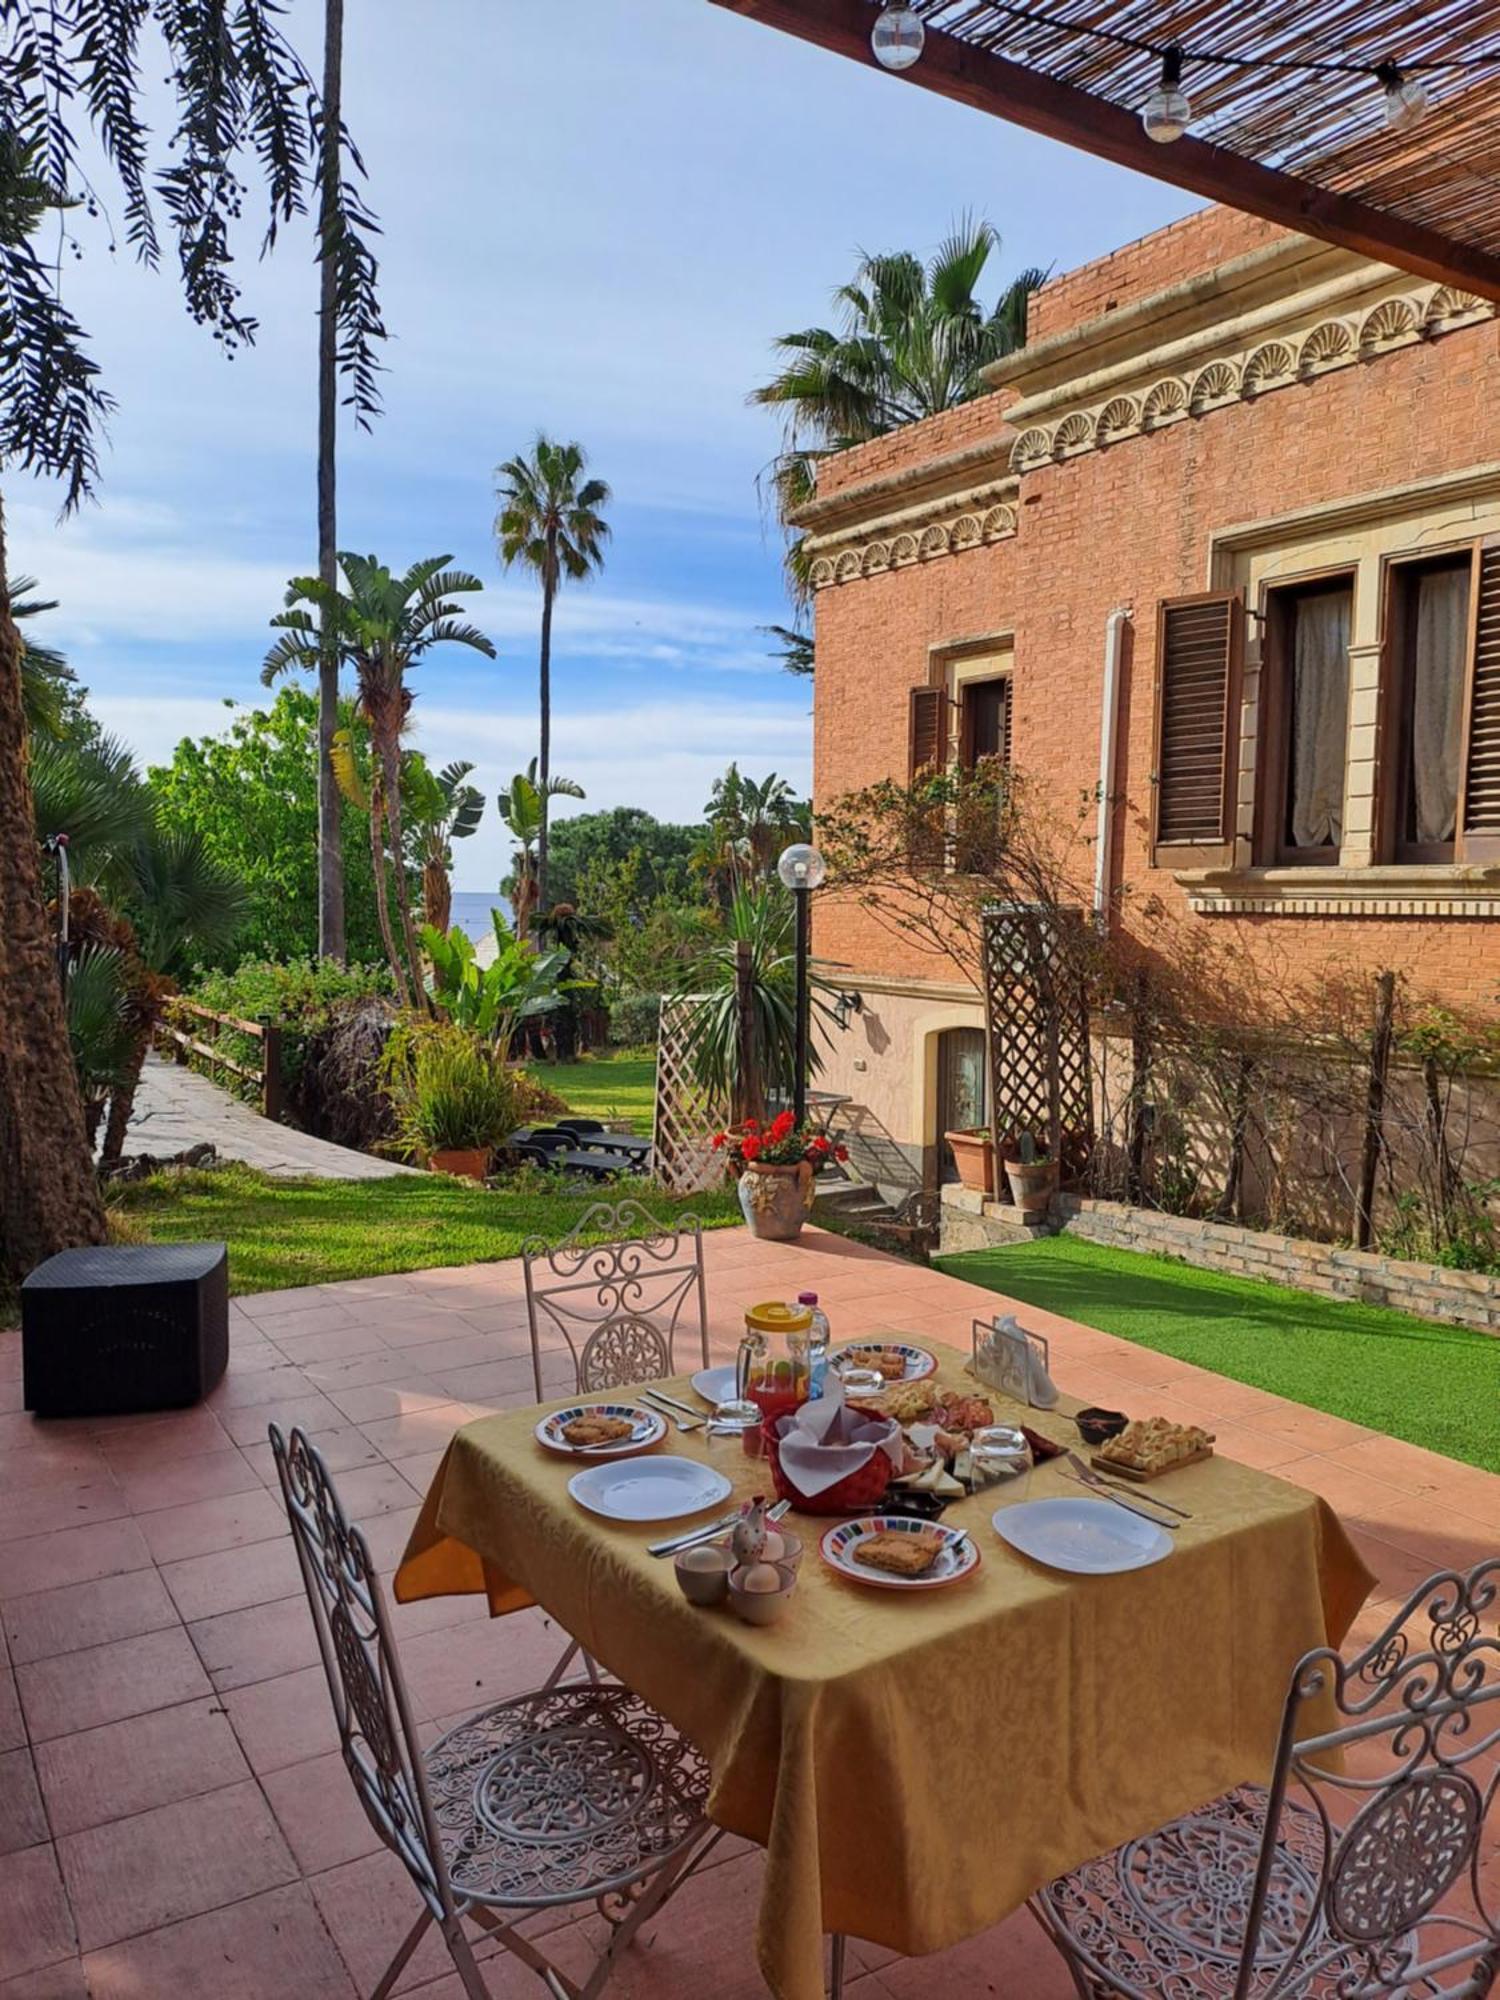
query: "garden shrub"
633, 1020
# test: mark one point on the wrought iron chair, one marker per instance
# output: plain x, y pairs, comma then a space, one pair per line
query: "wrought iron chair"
1355, 1875
571, 1794
618, 1303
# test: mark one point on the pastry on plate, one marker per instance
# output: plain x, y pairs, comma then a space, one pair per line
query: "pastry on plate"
1153, 1444
597, 1430
887, 1361
901, 1554
907, 1402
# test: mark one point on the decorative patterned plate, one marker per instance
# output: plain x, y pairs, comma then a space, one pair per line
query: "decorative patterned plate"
953, 1563
649, 1489
646, 1429
919, 1364
715, 1385
1087, 1537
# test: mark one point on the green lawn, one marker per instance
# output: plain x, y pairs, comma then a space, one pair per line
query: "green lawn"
614, 1084
309, 1232
1433, 1385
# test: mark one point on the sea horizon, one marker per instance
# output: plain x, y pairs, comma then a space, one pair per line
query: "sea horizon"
471, 911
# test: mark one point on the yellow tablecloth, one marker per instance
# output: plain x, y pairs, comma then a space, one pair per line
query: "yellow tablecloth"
916, 1766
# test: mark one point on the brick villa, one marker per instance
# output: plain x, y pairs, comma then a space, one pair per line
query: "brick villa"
1243, 488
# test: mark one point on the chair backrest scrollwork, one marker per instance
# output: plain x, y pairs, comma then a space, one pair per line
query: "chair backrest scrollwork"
1392, 1755
377, 1734
617, 1288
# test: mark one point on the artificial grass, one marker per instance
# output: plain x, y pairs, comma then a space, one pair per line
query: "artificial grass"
1431, 1384
311, 1232
614, 1084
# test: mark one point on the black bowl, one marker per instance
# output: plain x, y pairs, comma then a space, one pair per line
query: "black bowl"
1098, 1426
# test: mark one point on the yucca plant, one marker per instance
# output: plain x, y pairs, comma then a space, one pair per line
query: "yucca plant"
450, 1091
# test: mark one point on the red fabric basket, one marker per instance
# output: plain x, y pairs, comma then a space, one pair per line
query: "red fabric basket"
853, 1495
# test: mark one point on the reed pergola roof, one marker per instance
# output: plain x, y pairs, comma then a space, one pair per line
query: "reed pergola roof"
1302, 145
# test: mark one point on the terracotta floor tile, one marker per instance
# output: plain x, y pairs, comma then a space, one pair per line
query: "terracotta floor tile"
268, 1944
310, 1411
63, 1981
12, 1723
104, 1683
283, 1721
394, 1399
23, 1823
369, 1490
421, 1469
128, 1767
71, 1555
207, 1475
418, 1430
474, 1665
203, 1526
359, 1371
369, 1905
327, 1344
35, 1926
386, 1536
164, 1439
266, 1385
257, 1644
60, 1461
296, 1312
175, 1861
87, 1614
319, 1812
1013, 1960
229, 1579
343, 1448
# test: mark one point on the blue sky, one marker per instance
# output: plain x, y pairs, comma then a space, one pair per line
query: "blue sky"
597, 217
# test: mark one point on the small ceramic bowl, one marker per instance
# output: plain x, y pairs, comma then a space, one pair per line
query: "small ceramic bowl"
789, 1556
703, 1573
761, 1607
1098, 1426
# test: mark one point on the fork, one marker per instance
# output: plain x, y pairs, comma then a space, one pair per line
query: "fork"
1091, 1477
669, 1411
1130, 1506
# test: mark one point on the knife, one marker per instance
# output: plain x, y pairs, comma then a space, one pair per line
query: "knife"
1091, 1476
1108, 1493
773, 1514
651, 1394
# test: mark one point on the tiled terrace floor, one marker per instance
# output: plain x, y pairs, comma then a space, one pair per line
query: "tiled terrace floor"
173, 1818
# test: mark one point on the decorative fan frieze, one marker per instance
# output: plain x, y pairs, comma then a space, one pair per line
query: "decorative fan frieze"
971, 529
1165, 403
1033, 447
1074, 434
1329, 345
1268, 367
1120, 418
1390, 324
1213, 387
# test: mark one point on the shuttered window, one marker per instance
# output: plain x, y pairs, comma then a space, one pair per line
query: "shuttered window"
985, 728
1199, 643
1479, 810
928, 756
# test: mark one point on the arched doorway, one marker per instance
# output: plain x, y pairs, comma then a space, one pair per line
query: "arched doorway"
962, 1093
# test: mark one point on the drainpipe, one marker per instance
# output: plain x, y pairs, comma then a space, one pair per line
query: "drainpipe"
1114, 646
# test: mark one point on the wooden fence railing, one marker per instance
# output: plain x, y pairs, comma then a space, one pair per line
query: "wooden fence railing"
185, 1043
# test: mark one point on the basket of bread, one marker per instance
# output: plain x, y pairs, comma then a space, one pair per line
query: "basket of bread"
827, 1457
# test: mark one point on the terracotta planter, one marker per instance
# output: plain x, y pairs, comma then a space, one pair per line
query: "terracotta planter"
469, 1163
1031, 1187
775, 1200
974, 1156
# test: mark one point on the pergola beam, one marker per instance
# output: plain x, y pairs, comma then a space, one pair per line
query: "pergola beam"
1040, 103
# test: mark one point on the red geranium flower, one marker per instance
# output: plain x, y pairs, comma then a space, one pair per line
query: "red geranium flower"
719, 1139
750, 1146
820, 1144
782, 1125
752, 1124
841, 1152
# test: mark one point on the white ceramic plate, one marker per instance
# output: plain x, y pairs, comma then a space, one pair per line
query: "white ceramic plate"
954, 1562
1089, 1537
646, 1429
715, 1385
649, 1489
918, 1362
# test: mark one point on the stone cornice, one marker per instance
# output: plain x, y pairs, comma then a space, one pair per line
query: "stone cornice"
1431, 891
945, 525
911, 483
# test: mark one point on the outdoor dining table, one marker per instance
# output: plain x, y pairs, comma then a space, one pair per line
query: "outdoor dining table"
915, 1766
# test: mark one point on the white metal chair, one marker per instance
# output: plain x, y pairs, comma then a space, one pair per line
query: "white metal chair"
617, 1288
572, 1794
1355, 1875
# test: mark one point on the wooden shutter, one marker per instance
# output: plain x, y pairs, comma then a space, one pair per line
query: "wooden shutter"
928, 755
1479, 802
1007, 710
1199, 648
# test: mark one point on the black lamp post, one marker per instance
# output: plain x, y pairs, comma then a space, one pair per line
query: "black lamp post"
801, 869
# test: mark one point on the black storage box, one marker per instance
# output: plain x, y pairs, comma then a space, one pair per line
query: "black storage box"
115, 1329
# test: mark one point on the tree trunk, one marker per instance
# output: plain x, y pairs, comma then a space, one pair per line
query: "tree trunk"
390, 759
332, 937
49, 1195
544, 761
437, 894
122, 1100
377, 868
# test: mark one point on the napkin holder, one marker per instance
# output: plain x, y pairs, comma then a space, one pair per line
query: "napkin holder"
1010, 1358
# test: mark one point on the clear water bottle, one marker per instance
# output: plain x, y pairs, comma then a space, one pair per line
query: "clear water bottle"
819, 1338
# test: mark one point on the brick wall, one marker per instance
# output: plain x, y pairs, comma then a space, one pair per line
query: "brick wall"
1210, 237
1127, 526
977, 422
1466, 1298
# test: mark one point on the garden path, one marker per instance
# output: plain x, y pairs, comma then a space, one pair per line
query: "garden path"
176, 1108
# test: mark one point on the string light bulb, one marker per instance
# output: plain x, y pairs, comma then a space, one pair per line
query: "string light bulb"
1166, 114
898, 36
1407, 98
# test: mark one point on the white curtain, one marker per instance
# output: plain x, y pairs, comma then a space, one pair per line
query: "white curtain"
1442, 634
1320, 717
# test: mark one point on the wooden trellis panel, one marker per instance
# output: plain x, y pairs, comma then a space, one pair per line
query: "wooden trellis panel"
1037, 1030
687, 1116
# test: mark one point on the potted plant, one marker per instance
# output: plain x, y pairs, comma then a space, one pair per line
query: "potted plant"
1032, 1176
774, 1166
453, 1096
974, 1156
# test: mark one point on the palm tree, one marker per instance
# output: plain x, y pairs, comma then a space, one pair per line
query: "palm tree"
332, 930
523, 807
383, 625
48, 683
549, 520
748, 823
912, 341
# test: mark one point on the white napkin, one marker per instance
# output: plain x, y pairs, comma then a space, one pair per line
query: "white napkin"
824, 1441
